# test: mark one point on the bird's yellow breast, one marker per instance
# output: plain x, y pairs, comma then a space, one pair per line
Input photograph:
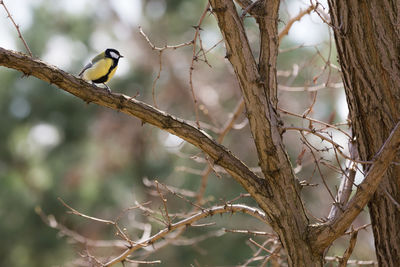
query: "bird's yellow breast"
99, 69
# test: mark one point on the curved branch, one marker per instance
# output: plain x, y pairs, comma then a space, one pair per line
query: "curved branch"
325, 234
187, 222
128, 105
258, 84
262, 119
298, 17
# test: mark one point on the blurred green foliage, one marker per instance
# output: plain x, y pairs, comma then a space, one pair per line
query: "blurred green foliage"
55, 145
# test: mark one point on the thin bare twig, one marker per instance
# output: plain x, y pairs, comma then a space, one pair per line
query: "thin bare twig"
240, 106
187, 222
289, 24
260, 246
250, 232
349, 250
346, 184
310, 108
397, 204
194, 58
256, 256
362, 227
242, 195
164, 201
314, 120
185, 192
222, 133
120, 233
143, 262
274, 256
314, 132
154, 47
153, 87
214, 46
16, 27
305, 141
329, 140
75, 212
193, 42
326, 233
321, 13
53, 223
352, 262
160, 52
195, 205
307, 88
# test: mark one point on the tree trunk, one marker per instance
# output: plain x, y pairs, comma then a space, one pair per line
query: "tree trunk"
367, 35
367, 38
258, 84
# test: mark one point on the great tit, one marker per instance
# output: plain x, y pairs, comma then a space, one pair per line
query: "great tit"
102, 67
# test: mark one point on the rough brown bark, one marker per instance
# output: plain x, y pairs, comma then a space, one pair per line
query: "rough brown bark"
367, 35
277, 193
278, 198
258, 84
92, 94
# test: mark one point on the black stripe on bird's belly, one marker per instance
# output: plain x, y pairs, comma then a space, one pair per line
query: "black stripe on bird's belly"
104, 78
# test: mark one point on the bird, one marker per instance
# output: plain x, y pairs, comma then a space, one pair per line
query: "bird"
102, 67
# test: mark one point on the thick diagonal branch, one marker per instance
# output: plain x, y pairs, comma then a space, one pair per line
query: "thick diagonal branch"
262, 117
67, 82
325, 234
258, 84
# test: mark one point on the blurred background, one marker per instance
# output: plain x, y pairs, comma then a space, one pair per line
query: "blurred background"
54, 145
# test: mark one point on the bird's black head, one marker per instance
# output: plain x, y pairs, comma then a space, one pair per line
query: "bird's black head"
113, 54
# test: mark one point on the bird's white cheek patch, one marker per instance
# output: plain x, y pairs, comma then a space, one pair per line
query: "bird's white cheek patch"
114, 55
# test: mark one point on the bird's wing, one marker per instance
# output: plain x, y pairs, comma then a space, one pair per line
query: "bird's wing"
94, 60
98, 57
85, 68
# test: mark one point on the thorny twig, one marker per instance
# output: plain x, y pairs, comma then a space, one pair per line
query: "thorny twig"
289, 24
160, 50
53, 223
194, 58
164, 201
187, 222
132, 245
310, 108
346, 184
335, 145
193, 43
222, 133
305, 141
349, 250
314, 120
240, 106
119, 233
16, 27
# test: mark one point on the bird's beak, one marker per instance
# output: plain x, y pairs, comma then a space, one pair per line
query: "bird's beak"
121, 56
